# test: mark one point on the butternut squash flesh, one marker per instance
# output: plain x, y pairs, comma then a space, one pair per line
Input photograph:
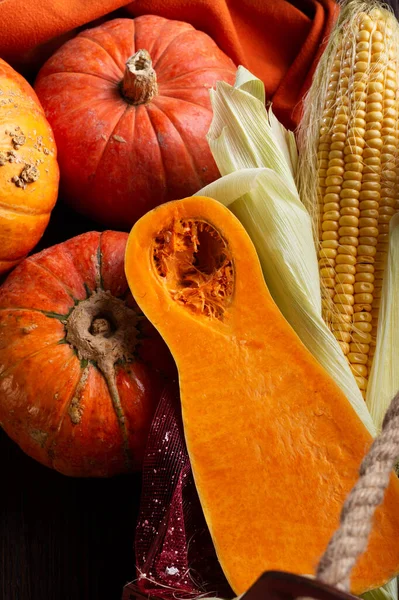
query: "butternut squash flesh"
274, 444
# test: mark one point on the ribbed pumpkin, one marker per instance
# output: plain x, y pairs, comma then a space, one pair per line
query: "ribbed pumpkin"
81, 369
28, 168
129, 105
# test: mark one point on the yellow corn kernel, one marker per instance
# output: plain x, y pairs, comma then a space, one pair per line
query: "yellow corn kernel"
359, 370
344, 347
361, 381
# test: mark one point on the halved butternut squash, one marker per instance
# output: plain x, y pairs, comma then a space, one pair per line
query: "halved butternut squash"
274, 444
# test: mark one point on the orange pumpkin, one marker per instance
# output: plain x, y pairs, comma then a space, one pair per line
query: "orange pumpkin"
129, 105
28, 168
81, 370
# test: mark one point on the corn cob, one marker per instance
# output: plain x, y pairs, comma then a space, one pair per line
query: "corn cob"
349, 136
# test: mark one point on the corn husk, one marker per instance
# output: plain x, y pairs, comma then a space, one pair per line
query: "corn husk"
384, 375
257, 157
389, 591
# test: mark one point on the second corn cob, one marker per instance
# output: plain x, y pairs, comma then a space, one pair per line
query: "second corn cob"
349, 137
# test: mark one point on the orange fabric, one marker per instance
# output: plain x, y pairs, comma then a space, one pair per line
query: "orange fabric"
277, 40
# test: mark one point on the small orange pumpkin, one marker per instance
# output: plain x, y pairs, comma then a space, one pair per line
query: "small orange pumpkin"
28, 168
81, 369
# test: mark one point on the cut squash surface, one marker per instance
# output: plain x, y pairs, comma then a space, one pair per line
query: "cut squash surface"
274, 444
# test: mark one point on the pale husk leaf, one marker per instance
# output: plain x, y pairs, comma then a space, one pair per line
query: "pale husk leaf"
384, 376
258, 159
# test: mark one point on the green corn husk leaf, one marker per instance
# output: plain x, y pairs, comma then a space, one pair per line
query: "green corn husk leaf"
384, 376
257, 157
389, 591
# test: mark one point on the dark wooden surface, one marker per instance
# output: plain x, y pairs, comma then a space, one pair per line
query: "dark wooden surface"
63, 538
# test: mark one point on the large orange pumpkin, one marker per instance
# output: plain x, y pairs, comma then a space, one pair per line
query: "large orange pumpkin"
28, 168
129, 105
81, 369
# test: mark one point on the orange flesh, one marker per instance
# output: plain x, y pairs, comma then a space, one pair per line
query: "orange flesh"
274, 444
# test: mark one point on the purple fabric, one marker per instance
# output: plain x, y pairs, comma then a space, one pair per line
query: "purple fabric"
175, 557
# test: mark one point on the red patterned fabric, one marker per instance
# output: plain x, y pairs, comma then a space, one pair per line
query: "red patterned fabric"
175, 557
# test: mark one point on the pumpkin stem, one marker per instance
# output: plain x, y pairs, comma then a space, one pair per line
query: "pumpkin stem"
102, 329
139, 83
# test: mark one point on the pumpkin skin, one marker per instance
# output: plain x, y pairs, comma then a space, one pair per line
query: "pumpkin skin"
64, 409
274, 444
118, 160
28, 168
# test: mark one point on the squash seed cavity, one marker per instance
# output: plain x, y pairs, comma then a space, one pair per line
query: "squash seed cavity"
196, 265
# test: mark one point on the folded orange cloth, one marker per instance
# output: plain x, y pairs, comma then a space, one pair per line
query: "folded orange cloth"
278, 40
